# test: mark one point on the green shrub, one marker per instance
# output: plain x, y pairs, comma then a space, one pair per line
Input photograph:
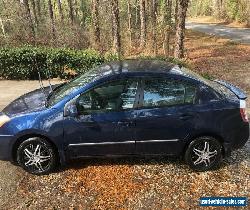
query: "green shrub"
25, 62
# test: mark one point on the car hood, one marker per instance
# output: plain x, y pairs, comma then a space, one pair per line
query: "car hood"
29, 102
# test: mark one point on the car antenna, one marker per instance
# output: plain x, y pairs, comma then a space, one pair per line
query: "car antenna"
48, 75
39, 77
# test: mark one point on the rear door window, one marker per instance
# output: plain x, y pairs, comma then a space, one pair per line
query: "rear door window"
160, 92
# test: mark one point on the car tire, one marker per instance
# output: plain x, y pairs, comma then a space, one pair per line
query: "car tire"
37, 156
203, 154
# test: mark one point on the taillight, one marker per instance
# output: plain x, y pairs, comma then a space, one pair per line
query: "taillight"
243, 110
243, 114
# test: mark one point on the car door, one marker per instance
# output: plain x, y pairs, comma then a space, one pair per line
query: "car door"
105, 121
166, 115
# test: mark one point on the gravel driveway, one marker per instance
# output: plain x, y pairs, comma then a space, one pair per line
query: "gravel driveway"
130, 183
236, 34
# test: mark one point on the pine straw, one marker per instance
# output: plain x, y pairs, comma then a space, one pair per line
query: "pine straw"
111, 185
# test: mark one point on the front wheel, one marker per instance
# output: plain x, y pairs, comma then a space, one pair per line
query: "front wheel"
203, 153
37, 156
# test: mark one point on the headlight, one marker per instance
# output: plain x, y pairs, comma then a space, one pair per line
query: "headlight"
3, 119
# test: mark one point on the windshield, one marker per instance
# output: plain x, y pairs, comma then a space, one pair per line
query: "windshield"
71, 86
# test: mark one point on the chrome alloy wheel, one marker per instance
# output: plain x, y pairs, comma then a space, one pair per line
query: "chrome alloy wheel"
36, 157
204, 155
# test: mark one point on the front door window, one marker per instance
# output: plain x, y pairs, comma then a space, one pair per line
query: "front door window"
113, 96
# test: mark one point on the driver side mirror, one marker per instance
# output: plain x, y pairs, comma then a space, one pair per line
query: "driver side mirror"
70, 110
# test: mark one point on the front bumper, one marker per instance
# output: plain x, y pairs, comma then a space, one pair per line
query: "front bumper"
5, 142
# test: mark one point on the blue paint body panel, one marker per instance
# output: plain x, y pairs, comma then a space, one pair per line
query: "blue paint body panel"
137, 131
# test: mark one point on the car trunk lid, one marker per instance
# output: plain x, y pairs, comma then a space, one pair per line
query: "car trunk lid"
234, 89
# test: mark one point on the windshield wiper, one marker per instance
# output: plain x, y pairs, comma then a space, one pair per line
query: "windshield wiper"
55, 87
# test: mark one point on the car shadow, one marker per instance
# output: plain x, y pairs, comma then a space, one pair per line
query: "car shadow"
235, 159
110, 161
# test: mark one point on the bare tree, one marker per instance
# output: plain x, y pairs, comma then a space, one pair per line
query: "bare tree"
34, 11
38, 6
28, 16
2, 27
176, 13
153, 17
71, 12
51, 14
129, 24
95, 23
143, 24
59, 4
116, 27
180, 28
168, 26
218, 8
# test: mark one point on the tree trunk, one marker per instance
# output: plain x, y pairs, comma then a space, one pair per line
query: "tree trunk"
84, 12
129, 24
168, 21
143, 24
59, 4
28, 16
33, 4
218, 6
76, 9
153, 18
2, 27
38, 5
51, 14
180, 28
95, 22
136, 12
116, 28
71, 13
176, 13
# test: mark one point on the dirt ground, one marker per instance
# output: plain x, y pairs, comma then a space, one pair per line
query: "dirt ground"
136, 183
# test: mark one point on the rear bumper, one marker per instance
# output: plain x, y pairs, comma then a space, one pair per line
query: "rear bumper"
241, 137
5, 142
236, 138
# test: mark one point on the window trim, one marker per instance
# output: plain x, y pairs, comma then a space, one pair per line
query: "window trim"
166, 106
136, 101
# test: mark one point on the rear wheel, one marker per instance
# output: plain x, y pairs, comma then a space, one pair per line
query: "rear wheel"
203, 153
37, 156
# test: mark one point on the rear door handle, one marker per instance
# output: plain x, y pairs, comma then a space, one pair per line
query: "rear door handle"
126, 124
186, 116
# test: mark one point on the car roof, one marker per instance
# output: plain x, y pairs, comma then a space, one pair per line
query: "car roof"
135, 65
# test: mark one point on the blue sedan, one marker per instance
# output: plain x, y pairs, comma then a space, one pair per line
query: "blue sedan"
125, 108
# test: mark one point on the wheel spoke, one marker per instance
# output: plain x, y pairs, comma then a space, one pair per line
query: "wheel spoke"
212, 154
38, 147
38, 166
206, 161
44, 158
29, 163
197, 152
28, 153
39, 151
198, 161
206, 147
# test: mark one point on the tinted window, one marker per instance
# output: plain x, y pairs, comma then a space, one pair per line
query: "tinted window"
161, 92
114, 96
207, 94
